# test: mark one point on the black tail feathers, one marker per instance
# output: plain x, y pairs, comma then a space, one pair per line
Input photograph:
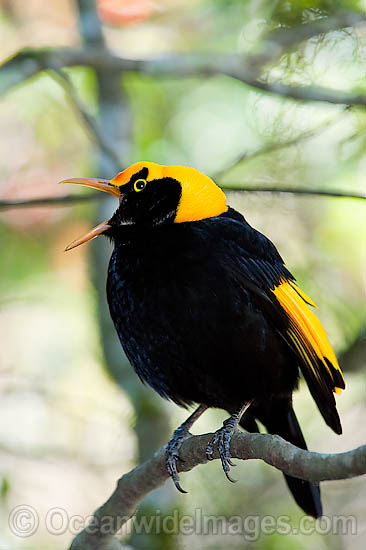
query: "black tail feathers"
279, 418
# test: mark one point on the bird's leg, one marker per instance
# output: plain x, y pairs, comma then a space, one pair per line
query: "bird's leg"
175, 442
222, 439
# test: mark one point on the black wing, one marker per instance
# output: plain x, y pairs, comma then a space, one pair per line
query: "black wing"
263, 269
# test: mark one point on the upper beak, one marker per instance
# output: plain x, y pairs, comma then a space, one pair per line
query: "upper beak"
96, 183
102, 185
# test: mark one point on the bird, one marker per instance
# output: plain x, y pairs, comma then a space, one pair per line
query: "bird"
209, 315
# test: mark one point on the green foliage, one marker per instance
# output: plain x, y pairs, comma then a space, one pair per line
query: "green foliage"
23, 257
4, 488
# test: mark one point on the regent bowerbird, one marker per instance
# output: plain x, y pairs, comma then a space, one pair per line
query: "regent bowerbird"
208, 314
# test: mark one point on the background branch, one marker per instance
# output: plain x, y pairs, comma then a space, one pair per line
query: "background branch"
70, 199
237, 187
280, 40
88, 121
28, 63
272, 449
279, 145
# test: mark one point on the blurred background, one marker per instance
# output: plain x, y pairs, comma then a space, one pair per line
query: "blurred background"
73, 415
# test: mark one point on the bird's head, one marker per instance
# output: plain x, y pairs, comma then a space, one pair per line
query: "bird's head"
150, 195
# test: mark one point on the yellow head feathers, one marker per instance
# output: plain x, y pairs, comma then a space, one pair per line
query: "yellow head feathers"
201, 198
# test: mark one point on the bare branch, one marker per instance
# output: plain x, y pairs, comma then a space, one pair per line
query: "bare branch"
281, 40
272, 449
28, 63
70, 199
89, 122
89, 23
290, 36
278, 145
50, 201
288, 190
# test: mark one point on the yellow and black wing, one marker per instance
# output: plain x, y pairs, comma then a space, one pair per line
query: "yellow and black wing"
286, 307
308, 338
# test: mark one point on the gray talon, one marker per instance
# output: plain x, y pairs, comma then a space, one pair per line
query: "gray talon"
222, 439
172, 456
175, 443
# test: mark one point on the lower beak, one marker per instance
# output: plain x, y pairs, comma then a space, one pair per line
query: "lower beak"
102, 185
98, 230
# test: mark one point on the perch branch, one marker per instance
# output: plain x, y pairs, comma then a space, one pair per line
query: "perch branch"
272, 449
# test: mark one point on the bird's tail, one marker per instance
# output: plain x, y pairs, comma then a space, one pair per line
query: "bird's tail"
280, 419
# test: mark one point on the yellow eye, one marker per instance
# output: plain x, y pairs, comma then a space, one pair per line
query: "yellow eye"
139, 185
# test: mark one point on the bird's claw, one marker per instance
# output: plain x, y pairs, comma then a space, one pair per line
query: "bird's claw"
222, 439
172, 456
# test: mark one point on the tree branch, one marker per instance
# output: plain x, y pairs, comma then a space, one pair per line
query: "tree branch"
272, 449
70, 199
88, 121
27, 63
288, 190
50, 201
279, 41
278, 145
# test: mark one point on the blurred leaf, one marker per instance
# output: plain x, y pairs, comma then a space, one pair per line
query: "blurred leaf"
4, 488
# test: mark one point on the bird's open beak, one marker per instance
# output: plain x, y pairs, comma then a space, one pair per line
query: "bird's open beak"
102, 185
96, 183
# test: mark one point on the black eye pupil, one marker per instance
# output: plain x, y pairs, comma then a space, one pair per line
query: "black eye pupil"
140, 185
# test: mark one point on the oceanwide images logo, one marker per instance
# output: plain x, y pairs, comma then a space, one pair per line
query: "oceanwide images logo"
24, 522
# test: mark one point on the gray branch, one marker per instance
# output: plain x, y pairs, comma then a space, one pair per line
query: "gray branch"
278, 145
28, 63
234, 187
134, 486
279, 41
239, 188
87, 120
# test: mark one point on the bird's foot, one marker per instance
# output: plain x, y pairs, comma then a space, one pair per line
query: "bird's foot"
175, 443
172, 454
222, 439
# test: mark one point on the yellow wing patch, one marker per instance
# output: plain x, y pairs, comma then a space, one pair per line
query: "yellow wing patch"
307, 332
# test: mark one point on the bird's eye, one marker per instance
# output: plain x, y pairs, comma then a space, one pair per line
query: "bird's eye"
139, 185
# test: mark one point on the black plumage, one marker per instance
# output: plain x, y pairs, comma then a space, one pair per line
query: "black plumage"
195, 307
192, 307
188, 302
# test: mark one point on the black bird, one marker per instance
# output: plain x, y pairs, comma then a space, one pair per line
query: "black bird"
208, 314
